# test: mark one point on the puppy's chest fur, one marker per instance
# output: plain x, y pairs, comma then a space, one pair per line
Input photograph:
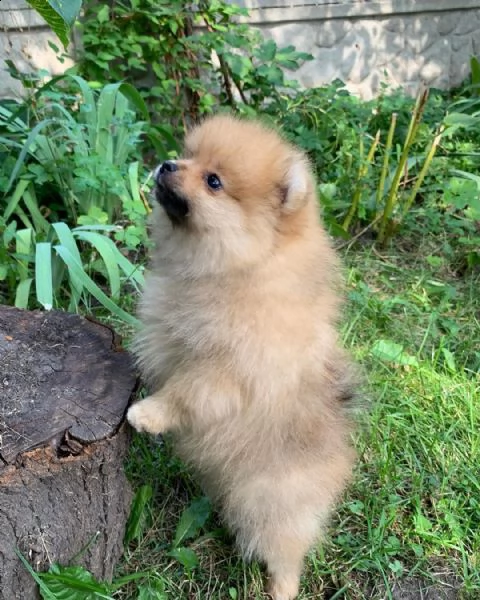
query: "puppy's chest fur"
253, 327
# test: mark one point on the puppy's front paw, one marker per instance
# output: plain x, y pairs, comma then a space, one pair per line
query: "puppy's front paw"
147, 415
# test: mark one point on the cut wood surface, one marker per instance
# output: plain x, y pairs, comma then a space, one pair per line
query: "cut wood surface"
65, 383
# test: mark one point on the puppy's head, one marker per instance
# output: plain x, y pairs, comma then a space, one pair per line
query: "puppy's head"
239, 190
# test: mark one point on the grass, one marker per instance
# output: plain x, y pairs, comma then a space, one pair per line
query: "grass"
412, 513
414, 509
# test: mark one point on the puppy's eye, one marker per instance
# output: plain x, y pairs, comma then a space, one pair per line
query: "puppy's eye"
213, 182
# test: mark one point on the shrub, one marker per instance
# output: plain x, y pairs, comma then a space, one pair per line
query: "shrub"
166, 48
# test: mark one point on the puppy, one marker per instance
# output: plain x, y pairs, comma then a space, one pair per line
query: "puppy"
239, 346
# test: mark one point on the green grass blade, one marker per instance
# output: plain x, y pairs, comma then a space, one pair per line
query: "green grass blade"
89, 108
122, 138
106, 113
167, 135
135, 98
23, 247
22, 293
10, 143
421, 176
475, 70
133, 181
134, 528
46, 593
386, 161
93, 288
97, 228
65, 114
22, 215
467, 175
108, 251
67, 240
12, 122
43, 274
392, 196
9, 233
132, 272
118, 582
26, 149
45, 151
65, 235
15, 198
39, 221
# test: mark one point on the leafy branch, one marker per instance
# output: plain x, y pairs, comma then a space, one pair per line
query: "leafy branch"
59, 14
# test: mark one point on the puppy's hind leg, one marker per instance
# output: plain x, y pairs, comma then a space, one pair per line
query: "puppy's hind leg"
284, 557
277, 529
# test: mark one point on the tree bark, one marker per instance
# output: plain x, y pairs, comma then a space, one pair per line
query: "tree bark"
65, 384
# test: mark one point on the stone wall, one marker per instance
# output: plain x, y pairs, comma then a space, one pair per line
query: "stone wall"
24, 39
362, 42
367, 42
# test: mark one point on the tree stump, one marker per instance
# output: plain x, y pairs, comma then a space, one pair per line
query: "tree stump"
64, 388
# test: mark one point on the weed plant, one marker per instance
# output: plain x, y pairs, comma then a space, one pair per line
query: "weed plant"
71, 187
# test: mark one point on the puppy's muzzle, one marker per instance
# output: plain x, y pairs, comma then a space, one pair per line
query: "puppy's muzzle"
169, 166
168, 195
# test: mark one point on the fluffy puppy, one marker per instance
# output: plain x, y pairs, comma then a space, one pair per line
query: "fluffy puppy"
238, 345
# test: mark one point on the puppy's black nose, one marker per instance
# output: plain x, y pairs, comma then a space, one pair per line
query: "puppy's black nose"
168, 166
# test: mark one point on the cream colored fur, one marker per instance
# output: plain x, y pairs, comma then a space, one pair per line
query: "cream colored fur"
239, 346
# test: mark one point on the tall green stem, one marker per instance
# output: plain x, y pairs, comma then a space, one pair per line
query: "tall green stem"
386, 162
423, 172
362, 172
393, 192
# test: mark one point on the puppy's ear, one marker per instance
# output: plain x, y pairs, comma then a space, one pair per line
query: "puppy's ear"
296, 185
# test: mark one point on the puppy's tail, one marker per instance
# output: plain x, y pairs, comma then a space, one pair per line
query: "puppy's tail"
347, 382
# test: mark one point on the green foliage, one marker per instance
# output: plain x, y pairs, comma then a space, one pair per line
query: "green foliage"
60, 15
377, 161
392, 352
475, 70
80, 144
73, 583
136, 520
153, 590
64, 268
77, 583
165, 49
192, 520
257, 71
67, 583
72, 204
411, 320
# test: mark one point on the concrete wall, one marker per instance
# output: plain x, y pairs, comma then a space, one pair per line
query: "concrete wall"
24, 38
362, 42
367, 42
